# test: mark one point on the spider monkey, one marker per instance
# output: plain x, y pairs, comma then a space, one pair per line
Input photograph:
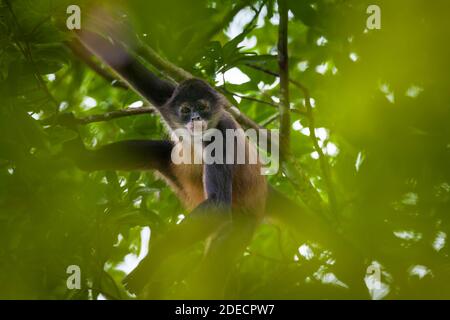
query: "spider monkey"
226, 200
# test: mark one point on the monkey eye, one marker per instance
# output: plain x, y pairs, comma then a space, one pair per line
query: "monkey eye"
185, 110
202, 107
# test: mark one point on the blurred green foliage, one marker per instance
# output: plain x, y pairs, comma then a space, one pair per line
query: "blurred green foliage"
382, 109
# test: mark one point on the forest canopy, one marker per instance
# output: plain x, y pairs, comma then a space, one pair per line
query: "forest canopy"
364, 120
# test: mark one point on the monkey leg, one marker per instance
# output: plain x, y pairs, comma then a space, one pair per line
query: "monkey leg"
199, 225
210, 280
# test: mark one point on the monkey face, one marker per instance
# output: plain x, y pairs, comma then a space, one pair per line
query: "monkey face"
195, 106
195, 115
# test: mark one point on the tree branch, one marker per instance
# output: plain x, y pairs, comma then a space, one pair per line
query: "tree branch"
283, 64
159, 62
68, 119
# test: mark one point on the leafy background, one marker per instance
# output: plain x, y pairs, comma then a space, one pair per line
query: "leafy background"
381, 103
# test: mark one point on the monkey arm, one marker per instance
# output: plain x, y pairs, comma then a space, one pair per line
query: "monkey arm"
154, 89
122, 155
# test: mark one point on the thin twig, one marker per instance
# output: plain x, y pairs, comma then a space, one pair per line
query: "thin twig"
272, 104
270, 119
